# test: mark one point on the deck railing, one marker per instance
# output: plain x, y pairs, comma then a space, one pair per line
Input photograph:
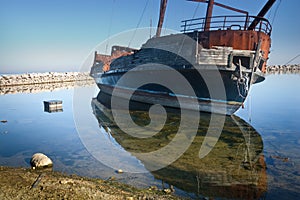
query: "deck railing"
227, 23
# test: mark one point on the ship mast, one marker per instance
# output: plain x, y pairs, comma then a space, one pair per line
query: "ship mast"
208, 15
261, 14
209, 11
163, 6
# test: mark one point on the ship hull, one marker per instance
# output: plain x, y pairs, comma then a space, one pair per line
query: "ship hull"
232, 99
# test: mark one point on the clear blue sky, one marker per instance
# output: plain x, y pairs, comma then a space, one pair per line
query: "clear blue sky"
57, 35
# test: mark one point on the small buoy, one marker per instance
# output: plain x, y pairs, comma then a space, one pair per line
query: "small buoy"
39, 160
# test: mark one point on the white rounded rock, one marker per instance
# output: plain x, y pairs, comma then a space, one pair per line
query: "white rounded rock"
39, 160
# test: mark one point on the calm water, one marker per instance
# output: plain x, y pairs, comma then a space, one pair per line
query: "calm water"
256, 155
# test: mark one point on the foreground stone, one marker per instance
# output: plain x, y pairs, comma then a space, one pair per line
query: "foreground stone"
40, 160
20, 183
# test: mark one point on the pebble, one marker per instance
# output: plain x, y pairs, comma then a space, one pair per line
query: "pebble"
112, 178
167, 191
172, 188
153, 188
66, 181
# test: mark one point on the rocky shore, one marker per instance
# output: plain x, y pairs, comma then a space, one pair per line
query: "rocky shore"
21, 183
42, 78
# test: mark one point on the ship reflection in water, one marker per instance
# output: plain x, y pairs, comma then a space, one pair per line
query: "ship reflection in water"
234, 168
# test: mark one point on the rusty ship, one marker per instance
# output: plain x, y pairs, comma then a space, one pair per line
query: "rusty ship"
220, 57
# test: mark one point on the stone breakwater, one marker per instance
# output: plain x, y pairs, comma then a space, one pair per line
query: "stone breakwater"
43, 78
284, 68
45, 87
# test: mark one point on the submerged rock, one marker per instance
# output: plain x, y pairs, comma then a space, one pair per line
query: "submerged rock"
40, 160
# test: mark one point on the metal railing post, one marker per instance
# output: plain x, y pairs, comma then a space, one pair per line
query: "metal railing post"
224, 23
260, 25
246, 22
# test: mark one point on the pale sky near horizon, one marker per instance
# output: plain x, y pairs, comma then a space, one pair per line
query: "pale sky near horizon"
58, 35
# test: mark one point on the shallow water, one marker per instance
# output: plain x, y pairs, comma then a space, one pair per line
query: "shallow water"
255, 154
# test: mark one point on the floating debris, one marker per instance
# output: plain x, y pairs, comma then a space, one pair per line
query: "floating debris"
3, 121
53, 106
284, 159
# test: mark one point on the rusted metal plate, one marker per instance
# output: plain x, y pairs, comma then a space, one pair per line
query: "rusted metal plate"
237, 39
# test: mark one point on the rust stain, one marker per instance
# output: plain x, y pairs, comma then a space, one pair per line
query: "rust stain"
107, 59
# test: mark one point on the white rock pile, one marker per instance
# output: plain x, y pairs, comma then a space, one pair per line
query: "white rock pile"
45, 87
291, 68
40, 78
